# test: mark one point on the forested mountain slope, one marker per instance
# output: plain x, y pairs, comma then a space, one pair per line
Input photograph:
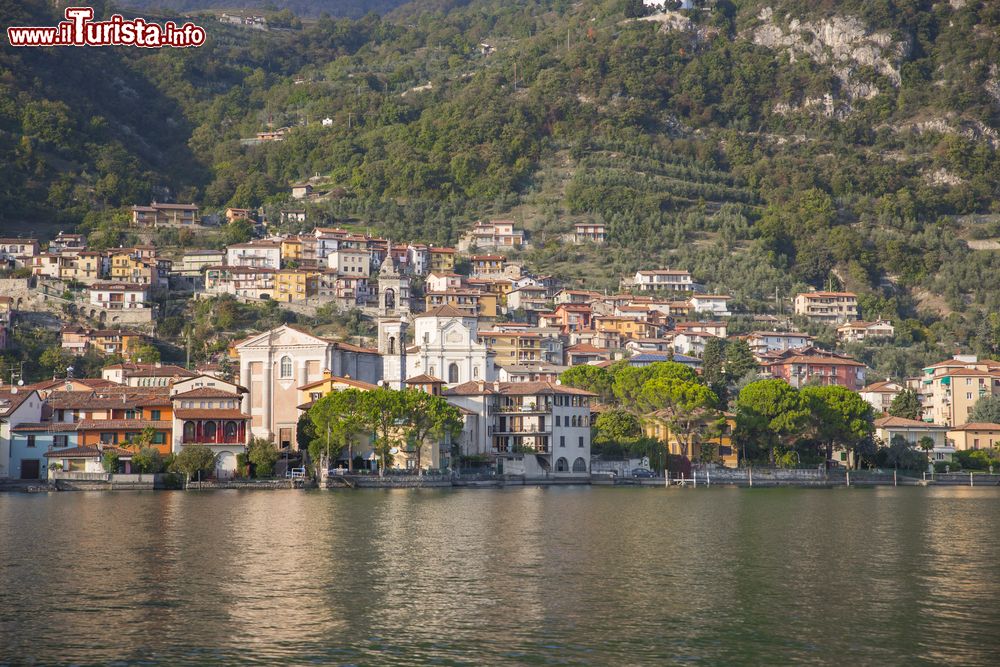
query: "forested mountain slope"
766, 146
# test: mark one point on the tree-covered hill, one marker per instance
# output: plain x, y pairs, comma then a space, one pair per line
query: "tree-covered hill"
341, 8
766, 146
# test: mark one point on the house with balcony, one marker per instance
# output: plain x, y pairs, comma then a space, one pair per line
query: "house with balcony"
486, 266
119, 296
881, 394
261, 254
652, 280
18, 252
949, 389
827, 307
156, 215
913, 431
764, 342
207, 411
589, 232
513, 347
442, 260
716, 305
534, 429
811, 366
492, 234
860, 331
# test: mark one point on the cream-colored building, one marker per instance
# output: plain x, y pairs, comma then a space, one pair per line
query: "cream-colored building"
881, 394
274, 364
949, 389
976, 435
827, 307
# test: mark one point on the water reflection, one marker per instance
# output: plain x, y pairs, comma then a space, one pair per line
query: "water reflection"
576, 575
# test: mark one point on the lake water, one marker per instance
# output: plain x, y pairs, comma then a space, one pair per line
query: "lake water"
571, 575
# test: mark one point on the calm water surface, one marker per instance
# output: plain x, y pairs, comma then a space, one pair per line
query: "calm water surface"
529, 575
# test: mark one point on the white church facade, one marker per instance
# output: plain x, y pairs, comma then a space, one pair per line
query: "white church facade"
444, 344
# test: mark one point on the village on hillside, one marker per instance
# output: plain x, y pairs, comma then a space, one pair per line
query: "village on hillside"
484, 333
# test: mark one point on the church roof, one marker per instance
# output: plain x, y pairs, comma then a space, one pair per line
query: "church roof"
444, 311
424, 378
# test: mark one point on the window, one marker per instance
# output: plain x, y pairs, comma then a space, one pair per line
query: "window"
581, 441
562, 440
968, 395
109, 438
31, 441
154, 415
452, 373
188, 431
60, 440
285, 370
209, 430
557, 420
159, 438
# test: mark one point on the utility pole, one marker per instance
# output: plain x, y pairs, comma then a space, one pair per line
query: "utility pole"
515, 76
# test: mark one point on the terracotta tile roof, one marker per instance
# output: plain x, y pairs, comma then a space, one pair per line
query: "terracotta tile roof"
444, 311
205, 392
903, 422
11, 401
424, 378
586, 348
886, 386
534, 388
209, 413
339, 380
122, 424
45, 427
152, 370
86, 452
977, 426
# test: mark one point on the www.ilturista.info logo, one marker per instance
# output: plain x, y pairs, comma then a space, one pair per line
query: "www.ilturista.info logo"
80, 30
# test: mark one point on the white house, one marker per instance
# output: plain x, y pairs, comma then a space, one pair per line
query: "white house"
663, 279
716, 305
261, 254
350, 261
880, 394
762, 342
118, 296
856, 332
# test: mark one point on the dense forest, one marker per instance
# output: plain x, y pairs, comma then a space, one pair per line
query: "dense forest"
765, 146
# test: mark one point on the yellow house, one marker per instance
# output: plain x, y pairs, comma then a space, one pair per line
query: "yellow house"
473, 302
291, 249
624, 326
501, 287
720, 442
312, 392
127, 266
975, 435
513, 347
295, 284
442, 260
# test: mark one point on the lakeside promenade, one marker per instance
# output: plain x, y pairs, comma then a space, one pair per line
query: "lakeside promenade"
742, 477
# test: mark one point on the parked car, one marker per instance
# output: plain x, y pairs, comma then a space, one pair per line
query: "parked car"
643, 472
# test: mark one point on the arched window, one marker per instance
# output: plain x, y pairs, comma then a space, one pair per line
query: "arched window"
231, 430
475, 371
430, 371
188, 431
452, 373
392, 345
579, 465
562, 465
209, 430
285, 371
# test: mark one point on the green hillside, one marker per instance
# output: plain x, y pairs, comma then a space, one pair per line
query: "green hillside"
764, 146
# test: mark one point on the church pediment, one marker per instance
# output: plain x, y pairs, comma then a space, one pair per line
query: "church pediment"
283, 336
